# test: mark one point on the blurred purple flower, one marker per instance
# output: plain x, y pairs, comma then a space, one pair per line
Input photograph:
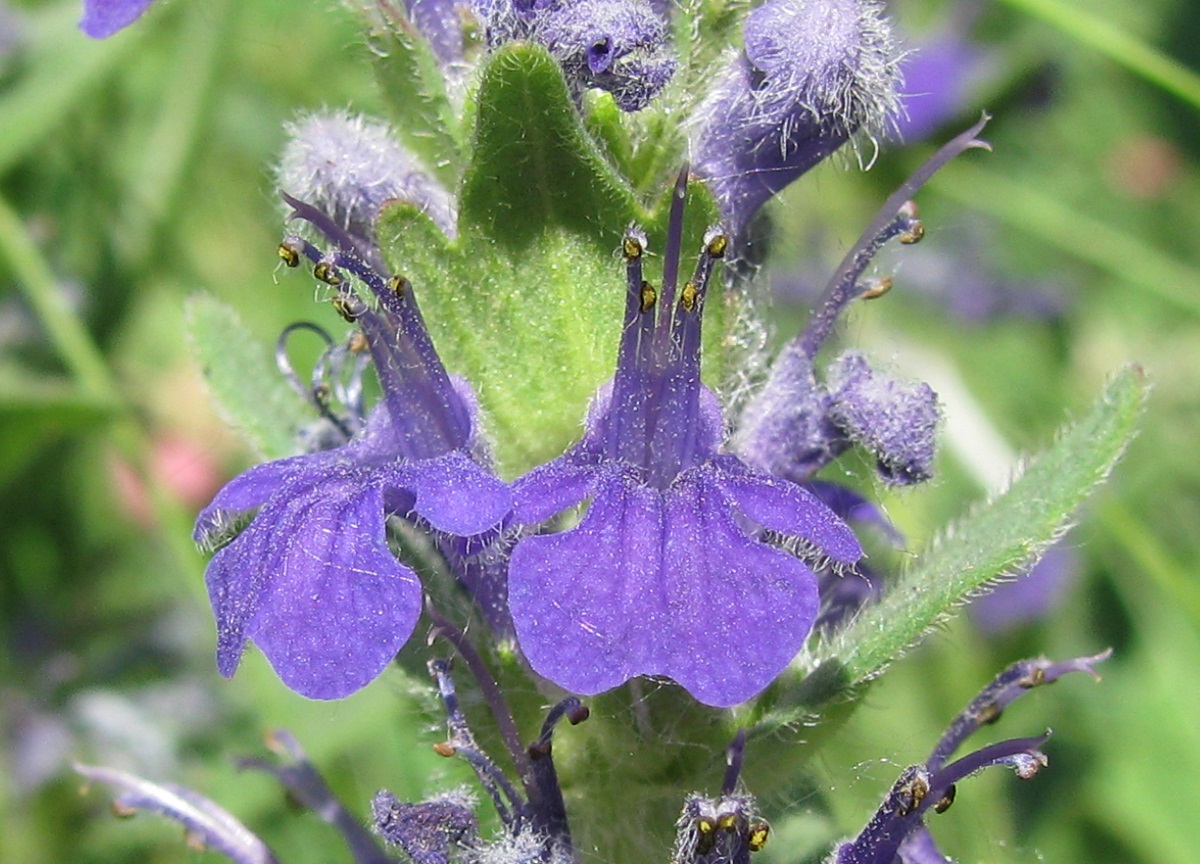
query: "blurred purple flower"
812, 73
1030, 595
940, 74
670, 572
311, 579
441, 23
103, 18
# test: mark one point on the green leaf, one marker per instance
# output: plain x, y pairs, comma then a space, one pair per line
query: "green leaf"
249, 391
534, 166
995, 539
414, 90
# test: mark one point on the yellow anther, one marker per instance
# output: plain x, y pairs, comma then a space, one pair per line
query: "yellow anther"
717, 245
876, 288
399, 286
758, 836
705, 826
649, 297
344, 306
914, 234
325, 272
632, 247
689, 295
946, 800
444, 748
990, 713
727, 821
358, 343
290, 254
1036, 678
916, 790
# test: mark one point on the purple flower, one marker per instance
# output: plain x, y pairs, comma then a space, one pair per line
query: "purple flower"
670, 571
811, 74
620, 46
896, 833
103, 18
1031, 595
311, 579
939, 75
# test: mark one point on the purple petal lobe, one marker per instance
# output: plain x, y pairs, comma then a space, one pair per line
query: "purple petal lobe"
248, 491
313, 583
660, 583
103, 18
786, 508
454, 494
552, 488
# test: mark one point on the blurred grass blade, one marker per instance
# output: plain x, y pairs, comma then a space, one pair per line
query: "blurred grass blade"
248, 390
65, 69
157, 165
1078, 22
995, 539
1027, 207
70, 338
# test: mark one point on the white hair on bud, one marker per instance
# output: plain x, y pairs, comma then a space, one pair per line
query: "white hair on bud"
349, 166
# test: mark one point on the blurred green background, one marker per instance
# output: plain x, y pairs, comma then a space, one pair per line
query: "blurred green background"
136, 171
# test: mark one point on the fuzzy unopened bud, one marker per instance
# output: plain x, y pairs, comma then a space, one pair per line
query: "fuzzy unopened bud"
811, 74
894, 421
349, 166
620, 46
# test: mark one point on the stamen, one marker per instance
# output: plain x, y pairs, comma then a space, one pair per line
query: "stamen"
490, 689
1009, 685
300, 777
649, 297
547, 808
462, 743
290, 254
327, 272
876, 288
348, 307
419, 371
759, 833
896, 218
317, 392
943, 803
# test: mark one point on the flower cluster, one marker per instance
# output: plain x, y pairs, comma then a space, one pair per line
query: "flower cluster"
684, 536
697, 557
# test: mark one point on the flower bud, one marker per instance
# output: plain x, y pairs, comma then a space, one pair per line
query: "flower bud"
348, 167
811, 74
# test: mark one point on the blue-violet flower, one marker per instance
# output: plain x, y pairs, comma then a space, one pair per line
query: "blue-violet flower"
311, 580
103, 18
670, 572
